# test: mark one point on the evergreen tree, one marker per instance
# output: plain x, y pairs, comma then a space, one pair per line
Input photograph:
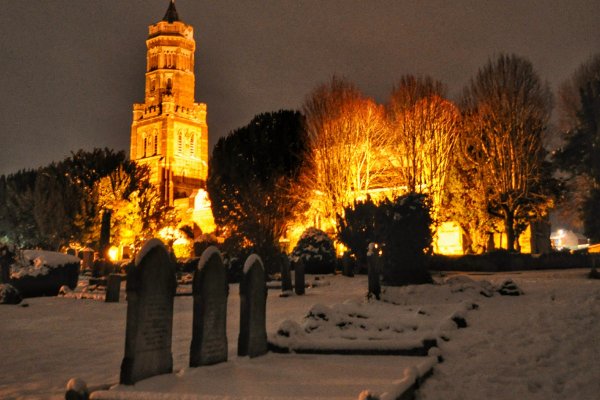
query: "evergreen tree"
580, 155
252, 179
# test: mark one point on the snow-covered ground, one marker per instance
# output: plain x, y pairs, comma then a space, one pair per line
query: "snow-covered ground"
542, 345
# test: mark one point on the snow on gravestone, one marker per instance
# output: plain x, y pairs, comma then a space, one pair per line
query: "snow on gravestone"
252, 340
151, 286
210, 289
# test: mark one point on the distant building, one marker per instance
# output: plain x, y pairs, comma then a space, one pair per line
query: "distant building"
169, 133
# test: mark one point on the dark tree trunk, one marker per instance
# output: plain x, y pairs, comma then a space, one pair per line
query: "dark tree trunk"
509, 225
105, 234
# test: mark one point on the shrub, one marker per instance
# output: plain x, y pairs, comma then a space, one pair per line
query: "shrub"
402, 229
356, 229
316, 249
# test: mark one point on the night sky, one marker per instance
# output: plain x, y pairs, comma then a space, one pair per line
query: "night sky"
71, 69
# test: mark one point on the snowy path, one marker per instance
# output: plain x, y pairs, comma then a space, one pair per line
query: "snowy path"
543, 345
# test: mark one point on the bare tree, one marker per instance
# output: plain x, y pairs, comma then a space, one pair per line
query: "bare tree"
347, 140
425, 128
506, 109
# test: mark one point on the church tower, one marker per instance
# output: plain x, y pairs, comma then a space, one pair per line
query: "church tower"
169, 132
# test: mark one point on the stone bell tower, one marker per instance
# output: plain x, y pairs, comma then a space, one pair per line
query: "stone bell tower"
169, 132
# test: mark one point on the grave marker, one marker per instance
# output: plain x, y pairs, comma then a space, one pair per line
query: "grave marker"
374, 270
210, 289
286, 276
252, 340
299, 276
151, 285
113, 288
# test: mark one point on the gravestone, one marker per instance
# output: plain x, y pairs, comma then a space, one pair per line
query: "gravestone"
347, 265
87, 256
151, 286
286, 276
299, 276
113, 288
210, 289
252, 340
374, 271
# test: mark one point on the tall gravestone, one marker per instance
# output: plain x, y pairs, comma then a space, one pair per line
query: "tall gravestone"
151, 286
299, 276
347, 265
374, 271
286, 276
252, 340
113, 288
210, 289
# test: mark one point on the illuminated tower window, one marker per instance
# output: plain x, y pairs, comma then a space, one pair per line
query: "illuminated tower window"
155, 144
180, 142
192, 145
145, 146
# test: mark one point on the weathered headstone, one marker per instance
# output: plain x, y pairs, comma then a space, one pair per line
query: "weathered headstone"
87, 258
286, 276
374, 271
299, 276
252, 340
113, 288
347, 265
151, 286
210, 289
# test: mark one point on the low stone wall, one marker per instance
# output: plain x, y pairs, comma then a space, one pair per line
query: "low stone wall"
507, 262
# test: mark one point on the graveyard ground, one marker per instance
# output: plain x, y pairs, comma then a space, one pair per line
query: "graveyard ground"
542, 345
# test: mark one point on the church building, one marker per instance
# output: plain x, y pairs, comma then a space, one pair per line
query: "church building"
169, 133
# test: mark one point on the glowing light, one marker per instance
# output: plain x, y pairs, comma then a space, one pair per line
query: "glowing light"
113, 253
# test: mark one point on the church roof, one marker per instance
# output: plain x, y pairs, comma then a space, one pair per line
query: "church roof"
171, 14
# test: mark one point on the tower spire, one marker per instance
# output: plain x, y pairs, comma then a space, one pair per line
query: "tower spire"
171, 14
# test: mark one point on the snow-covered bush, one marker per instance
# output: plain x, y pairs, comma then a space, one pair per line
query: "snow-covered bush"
42, 273
316, 250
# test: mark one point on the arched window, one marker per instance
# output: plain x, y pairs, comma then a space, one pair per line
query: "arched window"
192, 148
145, 145
155, 143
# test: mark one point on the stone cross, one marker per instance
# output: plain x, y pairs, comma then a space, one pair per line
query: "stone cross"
151, 286
113, 288
252, 340
210, 289
299, 276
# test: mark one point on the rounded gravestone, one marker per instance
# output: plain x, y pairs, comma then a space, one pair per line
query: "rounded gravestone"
151, 286
210, 290
252, 340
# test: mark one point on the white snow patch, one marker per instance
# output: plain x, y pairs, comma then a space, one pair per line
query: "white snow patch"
148, 245
206, 255
543, 345
252, 258
39, 262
